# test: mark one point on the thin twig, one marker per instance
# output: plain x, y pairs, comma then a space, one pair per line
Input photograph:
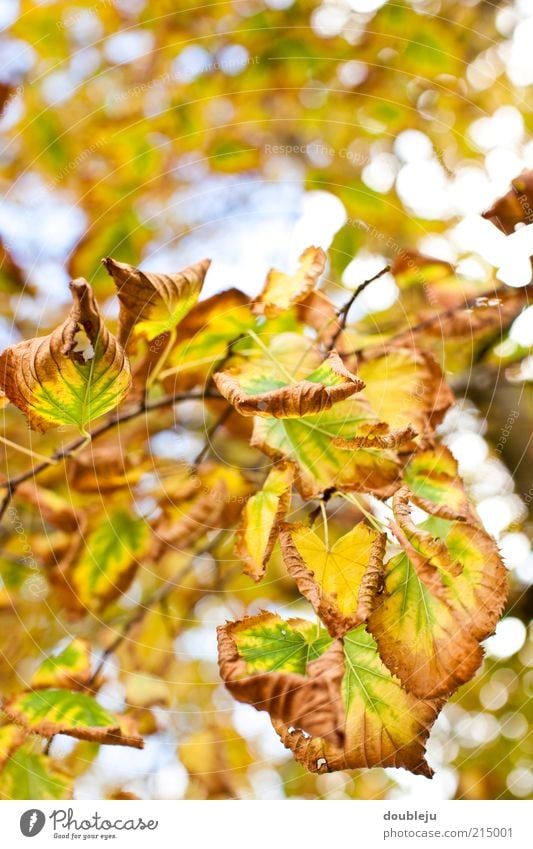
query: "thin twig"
224, 416
342, 313
439, 317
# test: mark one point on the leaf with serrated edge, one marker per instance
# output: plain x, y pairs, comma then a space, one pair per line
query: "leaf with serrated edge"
52, 711
345, 710
282, 290
151, 303
261, 519
254, 391
70, 668
74, 375
440, 598
340, 581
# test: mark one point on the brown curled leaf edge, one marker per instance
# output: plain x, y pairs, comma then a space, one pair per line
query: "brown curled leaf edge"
341, 581
302, 398
72, 376
442, 595
334, 703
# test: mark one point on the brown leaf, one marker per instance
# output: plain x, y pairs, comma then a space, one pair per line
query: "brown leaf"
379, 436
327, 717
156, 302
515, 207
71, 376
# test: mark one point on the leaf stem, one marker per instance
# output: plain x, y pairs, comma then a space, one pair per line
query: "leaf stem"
325, 522
374, 521
28, 451
154, 374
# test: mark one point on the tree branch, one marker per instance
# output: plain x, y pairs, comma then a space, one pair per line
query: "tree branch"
345, 309
64, 453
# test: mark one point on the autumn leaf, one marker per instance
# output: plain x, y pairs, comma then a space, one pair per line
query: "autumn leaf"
30, 776
442, 595
286, 428
340, 580
256, 393
337, 707
282, 290
71, 668
406, 388
218, 759
71, 377
11, 737
261, 519
515, 206
433, 478
53, 711
151, 303
204, 336
108, 560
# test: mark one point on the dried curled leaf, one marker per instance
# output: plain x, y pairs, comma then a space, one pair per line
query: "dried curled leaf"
441, 596
74, 375
70, 669
341, 581
261, 520
515, 206
282, 290
338, 707
52, 711
151, 303
253, 391
377, 435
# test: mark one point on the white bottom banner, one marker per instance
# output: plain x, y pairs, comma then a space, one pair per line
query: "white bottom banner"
263, 825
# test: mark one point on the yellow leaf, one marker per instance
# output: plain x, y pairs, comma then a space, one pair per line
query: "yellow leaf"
282, 290
261, 519
340, 581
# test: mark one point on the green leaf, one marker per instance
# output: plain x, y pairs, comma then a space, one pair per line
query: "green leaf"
71, 668
110, 559
48, 712
33, 777
266, 644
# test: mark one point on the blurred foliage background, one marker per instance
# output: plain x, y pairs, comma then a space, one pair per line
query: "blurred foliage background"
246, 131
